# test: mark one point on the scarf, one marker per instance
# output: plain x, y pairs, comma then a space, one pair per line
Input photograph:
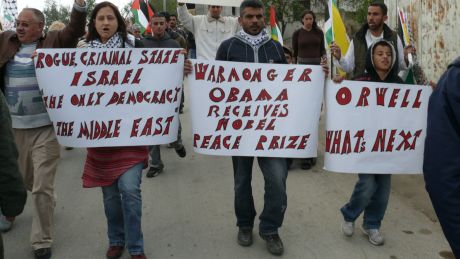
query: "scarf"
114, 42
254, 40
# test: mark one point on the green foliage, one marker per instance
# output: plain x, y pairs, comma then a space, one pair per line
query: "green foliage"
287, 11
360, 15
90, 7
170, 5
53, 12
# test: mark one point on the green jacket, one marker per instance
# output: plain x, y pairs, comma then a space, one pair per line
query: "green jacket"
360, 44
12, 191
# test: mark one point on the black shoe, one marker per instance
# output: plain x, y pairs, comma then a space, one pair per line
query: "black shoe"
245, 236
154, 171
181, 152
274, 243
307, 163
43, 253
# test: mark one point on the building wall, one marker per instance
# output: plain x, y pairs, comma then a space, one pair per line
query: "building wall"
435, 25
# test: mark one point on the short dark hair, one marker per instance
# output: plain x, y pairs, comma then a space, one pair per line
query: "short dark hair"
92, 32
173, 15
159, 15
382, 6
165, 15
250, 3
37, 13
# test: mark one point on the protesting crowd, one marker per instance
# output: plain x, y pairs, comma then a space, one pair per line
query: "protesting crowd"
30, 152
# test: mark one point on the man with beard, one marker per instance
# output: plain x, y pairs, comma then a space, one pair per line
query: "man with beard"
375, 29
253, 44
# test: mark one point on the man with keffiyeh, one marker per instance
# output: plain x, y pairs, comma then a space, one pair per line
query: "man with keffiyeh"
253, 44
33, 131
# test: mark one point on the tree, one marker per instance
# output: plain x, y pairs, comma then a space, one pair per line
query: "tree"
288, 11
53, 12
170, 5
89, 8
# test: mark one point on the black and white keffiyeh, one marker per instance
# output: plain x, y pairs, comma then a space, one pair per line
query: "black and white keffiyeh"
254, 40
115, 42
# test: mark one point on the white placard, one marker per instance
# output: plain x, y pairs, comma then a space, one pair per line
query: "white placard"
375, 128
247, 109
234, 3
111, 97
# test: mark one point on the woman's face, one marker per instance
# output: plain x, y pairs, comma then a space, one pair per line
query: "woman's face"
307, 21
106, 23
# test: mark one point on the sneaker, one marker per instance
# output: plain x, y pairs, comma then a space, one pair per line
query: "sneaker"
375, 237
141, 256
43, 253
6, 223
154, 171
181, 152
245, 236
348, 228
274, 243
115, 252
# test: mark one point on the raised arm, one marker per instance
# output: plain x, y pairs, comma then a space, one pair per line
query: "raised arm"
68, 37
185, 17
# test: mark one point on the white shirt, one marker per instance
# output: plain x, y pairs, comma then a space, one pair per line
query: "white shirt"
209, 32
347, 62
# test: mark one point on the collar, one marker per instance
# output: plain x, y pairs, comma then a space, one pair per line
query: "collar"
212, 19
254, 40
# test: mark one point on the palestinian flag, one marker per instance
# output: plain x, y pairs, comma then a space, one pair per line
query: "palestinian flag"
142, 11
335, 32
335, 28
275, 30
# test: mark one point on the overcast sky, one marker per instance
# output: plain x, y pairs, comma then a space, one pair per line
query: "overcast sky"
40, 4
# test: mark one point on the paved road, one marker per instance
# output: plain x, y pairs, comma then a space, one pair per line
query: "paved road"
188, 213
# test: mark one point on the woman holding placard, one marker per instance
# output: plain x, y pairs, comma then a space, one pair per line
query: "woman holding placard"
117, 170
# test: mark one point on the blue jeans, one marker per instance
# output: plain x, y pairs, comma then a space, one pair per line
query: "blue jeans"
192, 53
275, 198
370, 195
123, 209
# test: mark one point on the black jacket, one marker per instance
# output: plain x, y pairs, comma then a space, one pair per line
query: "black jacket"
165, 42
239, 50
12, 191
441, 165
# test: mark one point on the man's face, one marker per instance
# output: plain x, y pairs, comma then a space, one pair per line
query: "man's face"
137, 33
215, 11
382, 57
172, 22
158, 25
28, 28
252, 20
375, 17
